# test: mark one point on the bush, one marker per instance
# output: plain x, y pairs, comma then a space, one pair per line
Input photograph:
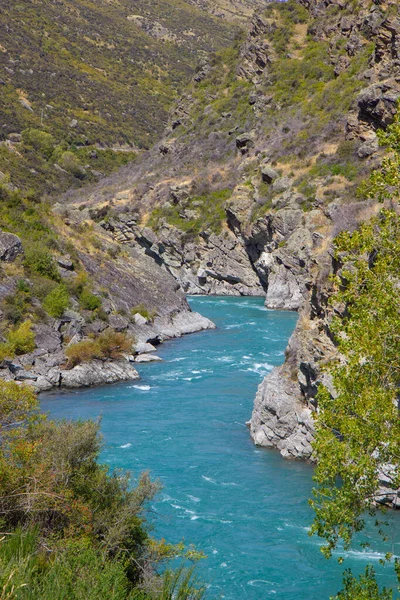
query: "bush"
108, 345
69, 162
141, 309
19, 340
78, 283
82, 352
15, 307
57, 301
42, 286
6, 351
39, 260
89, 301
113, 344
39, 140
22, 338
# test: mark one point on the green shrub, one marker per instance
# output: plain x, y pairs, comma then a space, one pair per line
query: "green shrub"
89, 301
39, 140
19, 340
69, 162
57, 301
16, 306
108, 345
141, 309
42, 286
78, 283
39, 260
6, 351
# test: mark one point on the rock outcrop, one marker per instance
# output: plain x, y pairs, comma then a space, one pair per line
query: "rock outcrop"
280, 419
10, 246
98, 373
292, 171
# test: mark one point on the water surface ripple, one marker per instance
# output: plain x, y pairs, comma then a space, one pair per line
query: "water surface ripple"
246, 508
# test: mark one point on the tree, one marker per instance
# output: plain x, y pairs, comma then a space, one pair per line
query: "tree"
71, 527
357, 441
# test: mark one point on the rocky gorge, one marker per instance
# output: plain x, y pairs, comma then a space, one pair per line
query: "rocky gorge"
271, 187
243, 195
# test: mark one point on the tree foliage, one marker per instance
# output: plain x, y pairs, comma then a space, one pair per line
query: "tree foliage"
357, 442
70, 527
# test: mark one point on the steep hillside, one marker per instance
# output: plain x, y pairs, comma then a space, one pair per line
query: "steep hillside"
94, 79
260, 167
259, 170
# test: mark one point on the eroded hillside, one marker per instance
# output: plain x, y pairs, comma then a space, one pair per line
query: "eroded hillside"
94, 79
261, 167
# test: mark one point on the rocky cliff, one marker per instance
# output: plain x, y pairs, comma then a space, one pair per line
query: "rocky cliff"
119, 283
258, 172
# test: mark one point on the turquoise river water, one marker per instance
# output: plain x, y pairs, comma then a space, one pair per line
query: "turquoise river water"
244, 507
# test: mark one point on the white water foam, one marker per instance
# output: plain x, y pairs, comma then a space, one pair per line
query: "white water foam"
225, 359
209, 479
126, 445
363, 554
193, 498
261, 368
144, 388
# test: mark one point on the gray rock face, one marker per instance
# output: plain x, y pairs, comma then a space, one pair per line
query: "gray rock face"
213, 264
268, 174
10, 246
280, 422
97, 373
144, 348
378, 102
182, 323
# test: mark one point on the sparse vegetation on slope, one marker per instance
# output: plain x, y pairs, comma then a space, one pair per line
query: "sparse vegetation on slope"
85, 83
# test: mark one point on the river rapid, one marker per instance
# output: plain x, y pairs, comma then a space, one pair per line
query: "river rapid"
246, 508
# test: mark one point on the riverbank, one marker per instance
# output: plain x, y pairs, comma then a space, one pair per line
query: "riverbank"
245, 507
45, 368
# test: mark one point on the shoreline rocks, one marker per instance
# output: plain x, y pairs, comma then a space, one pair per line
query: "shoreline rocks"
44, 368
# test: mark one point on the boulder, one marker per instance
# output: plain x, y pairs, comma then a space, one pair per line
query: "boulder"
268, 174
281, 184
98, 372
144, 348
367, 148
244, 142
145, 358
10, 246
65, 262
15, 138
139, 319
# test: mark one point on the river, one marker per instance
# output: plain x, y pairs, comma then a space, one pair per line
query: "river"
244, 507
